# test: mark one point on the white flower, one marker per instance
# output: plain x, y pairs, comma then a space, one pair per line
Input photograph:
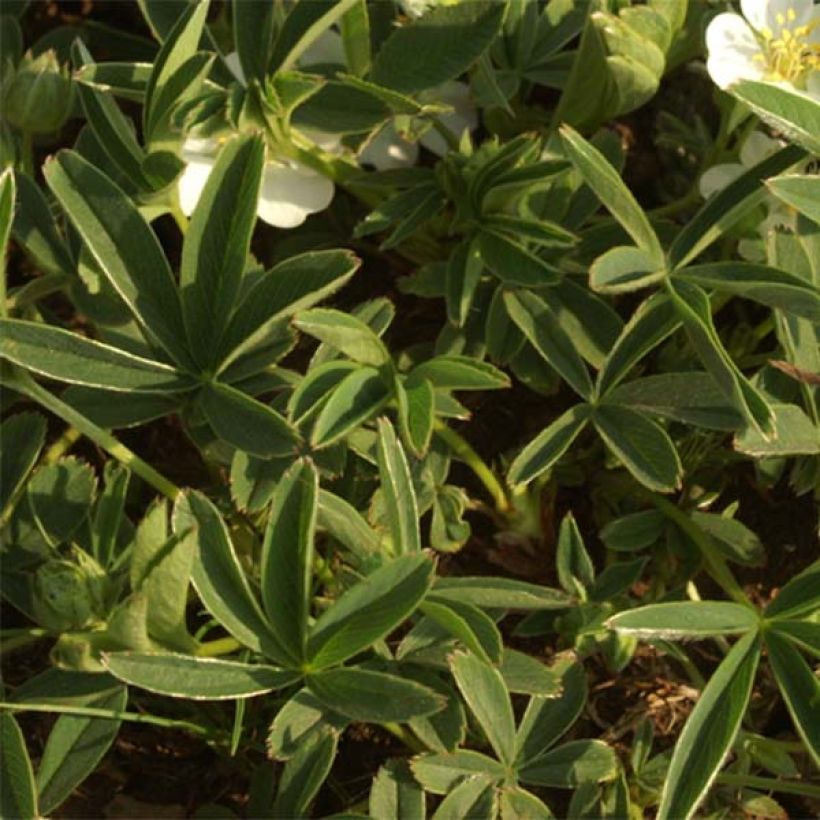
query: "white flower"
774, 41
289, 192
388, 149
416, 8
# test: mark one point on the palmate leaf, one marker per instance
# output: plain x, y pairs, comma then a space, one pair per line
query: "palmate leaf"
476, 630
686, 619
395, 793
801, 192
439, 773
346, 333
304, 773
253, 26
124, 246
571, 764
183, 676
710, 731
474, 796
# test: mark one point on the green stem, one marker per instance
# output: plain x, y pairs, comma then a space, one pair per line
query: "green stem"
713, 560
110, 714
769, 784
25, 384
220, 646
473, 460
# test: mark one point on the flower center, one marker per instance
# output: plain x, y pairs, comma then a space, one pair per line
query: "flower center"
789, 54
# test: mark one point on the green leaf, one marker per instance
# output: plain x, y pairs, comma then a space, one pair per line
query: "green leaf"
473, 797
438, 47
123, 79
394, 793
623, 269
344, 522
440, 773
346, 333
548, 446
770, 286
610, 188
804, 634
398, 493
799, 597
547, 718
113, 130
642, 446
18, 797
710, 731
160, 569
300, 718
108, 514
373, 697
728, 206
253, 26
219, 580
370, 610
690, 397
571, 765
576, 573
69, 357
21, 439
7, 200
183, 676
460, 373
356, 399
355, 26
540, 325
513, 263
74, 747
416, 406
60, 497
653, 320
800, 192
469, 624
123, 245
312, 391
287, 556
679, 620
794, 434
246, 423
799, 687
790, 111
517, 803
216, 246
293, 285
525, 674
34, 228
694, 310
463, 274
488, 592
303, 775
175, 55
484, 691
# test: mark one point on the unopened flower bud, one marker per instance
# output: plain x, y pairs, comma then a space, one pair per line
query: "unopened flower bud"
39, 96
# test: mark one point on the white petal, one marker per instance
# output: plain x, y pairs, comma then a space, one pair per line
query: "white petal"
196, 149
734, 53
290, 192
192, 181
813, 83
388, 150
415, 8
774, 15
332, 143
329, 48
234, 66
718, 177
756, 148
